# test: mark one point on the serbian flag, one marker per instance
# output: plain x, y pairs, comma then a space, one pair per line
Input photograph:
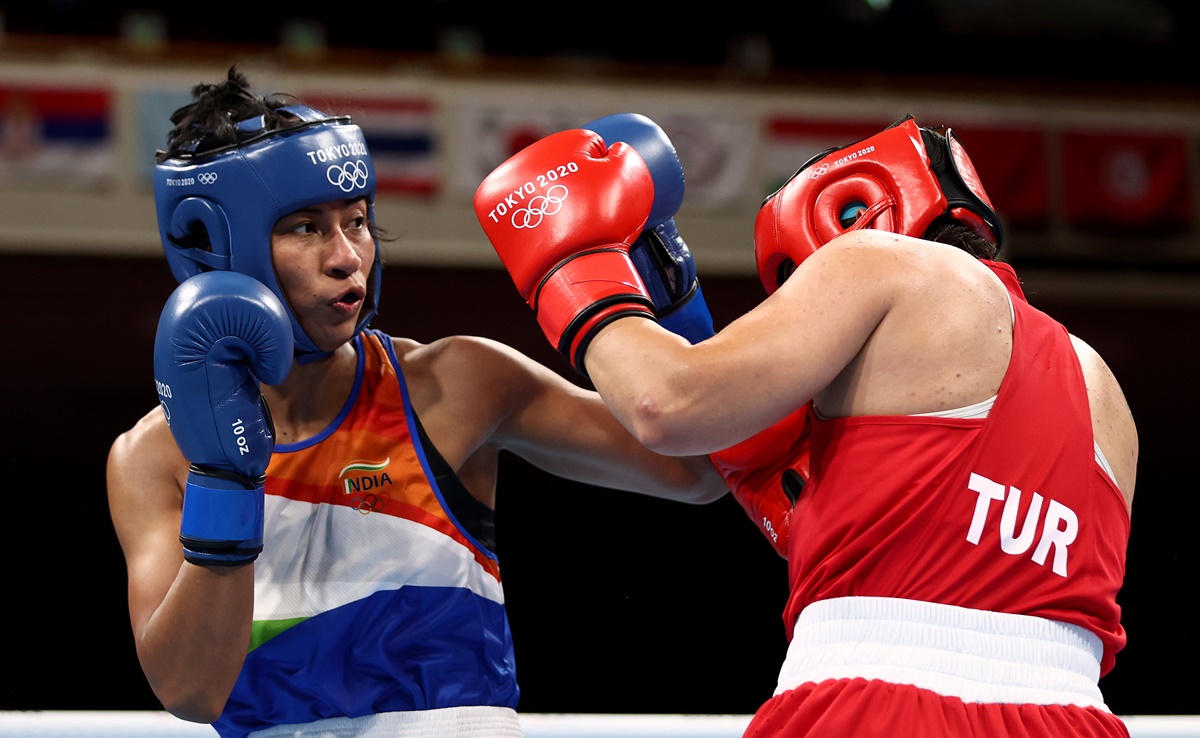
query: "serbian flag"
401, 135
1011, 163
1126, 181
56, 137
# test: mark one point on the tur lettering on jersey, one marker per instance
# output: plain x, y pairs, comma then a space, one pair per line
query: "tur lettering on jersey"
1059, 525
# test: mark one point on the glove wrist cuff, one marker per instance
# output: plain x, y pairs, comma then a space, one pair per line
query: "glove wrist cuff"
583, 294
689, 317
213, 478
223, 518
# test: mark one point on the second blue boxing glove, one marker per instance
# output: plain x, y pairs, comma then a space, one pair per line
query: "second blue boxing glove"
660, 254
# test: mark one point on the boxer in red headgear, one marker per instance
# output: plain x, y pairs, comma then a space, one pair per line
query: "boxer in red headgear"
904, 180
956, 553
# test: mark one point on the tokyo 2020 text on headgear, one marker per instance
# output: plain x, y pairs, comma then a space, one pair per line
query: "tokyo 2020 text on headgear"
901, 180
238, 193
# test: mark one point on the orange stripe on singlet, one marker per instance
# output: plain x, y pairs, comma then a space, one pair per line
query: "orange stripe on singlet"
370, 462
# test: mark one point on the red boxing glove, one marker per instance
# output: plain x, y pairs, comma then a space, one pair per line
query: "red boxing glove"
561, 215
766, 472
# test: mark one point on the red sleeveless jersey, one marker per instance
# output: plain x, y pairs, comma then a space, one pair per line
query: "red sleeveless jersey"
1009, 513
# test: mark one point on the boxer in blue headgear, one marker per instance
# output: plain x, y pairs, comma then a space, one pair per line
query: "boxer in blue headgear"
220, 192
329, 567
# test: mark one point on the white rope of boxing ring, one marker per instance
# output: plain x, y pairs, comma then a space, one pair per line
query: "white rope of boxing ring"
151, 724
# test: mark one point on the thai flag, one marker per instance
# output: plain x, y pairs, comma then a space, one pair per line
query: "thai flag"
401, 135
56, 137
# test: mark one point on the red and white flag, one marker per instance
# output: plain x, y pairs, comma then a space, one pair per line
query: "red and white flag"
1011, 163
1126, 181
790, 141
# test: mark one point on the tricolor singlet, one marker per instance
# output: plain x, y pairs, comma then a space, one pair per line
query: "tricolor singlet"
378, 600
958, 576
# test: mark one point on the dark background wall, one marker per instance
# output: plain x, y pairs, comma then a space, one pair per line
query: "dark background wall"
953, 44
618, 603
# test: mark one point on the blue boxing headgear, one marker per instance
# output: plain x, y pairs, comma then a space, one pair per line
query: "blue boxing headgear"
239, 192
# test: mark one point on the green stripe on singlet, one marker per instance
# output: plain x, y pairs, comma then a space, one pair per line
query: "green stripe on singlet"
264, 630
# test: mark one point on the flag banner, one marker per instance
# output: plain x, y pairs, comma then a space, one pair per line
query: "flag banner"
401, 134
791, 141
56, 137
1126, 181
717, 152
488, 134
1012, 166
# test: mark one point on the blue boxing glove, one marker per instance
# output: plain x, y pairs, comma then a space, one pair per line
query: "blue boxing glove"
661, 256
669, 271
219, 335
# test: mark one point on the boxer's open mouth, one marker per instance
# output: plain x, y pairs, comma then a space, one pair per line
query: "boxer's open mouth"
350, 298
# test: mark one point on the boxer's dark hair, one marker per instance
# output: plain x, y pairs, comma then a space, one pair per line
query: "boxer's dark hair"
210, 121
954, 233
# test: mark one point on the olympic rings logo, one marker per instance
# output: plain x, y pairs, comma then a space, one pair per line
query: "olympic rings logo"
368, 504
539, 207
206, 178
816, 173
348, 177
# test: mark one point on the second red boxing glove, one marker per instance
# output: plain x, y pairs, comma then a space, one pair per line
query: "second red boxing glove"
766, 472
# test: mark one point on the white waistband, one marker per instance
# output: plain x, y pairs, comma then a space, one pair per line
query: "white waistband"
974, 655
458, 722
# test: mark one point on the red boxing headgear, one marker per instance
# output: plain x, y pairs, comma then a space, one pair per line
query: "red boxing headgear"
899, 180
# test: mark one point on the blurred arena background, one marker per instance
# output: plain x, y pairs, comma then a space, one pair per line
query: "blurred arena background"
1087, 112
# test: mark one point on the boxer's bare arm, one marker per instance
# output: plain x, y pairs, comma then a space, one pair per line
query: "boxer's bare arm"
477, 397
191, 624
1112, 421
861, 328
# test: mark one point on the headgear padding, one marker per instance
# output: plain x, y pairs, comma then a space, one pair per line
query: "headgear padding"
239, 192
900, 180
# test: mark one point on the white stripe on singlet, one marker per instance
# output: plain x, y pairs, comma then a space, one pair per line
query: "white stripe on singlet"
981, 410
974, 655
482, 721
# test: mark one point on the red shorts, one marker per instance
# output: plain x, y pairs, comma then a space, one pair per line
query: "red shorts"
861, 708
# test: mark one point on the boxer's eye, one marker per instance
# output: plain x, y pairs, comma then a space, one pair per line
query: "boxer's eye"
850, 213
